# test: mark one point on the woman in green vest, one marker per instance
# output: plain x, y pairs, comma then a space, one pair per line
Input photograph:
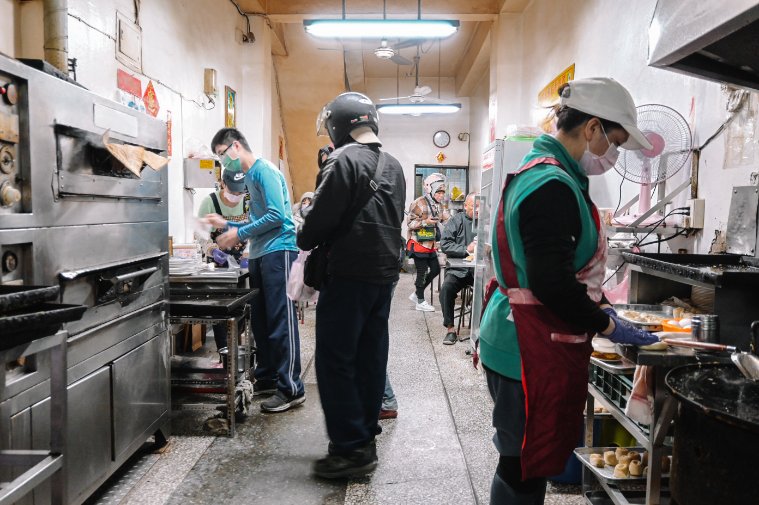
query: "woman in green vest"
549, 255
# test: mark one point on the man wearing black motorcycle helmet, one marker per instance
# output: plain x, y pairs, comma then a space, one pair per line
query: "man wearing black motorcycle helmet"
357, 211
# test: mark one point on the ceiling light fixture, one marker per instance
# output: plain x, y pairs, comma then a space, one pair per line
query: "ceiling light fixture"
416, 109
381, 28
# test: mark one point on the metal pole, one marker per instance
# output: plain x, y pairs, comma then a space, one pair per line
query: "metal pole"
55, 19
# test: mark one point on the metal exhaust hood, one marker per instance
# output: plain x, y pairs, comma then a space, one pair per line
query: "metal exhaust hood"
716, 40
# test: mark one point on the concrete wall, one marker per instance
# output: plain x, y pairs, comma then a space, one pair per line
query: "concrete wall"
548, 36
179, 40
479, 128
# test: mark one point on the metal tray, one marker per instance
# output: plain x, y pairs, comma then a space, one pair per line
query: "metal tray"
662, 311
208, 303
16, 297
633, 498
35, 322
607, 472
621, 365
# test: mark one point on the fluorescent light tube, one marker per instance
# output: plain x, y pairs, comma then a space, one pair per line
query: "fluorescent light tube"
419, 108
381, 28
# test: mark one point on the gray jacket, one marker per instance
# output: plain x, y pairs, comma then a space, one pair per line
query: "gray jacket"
457, 234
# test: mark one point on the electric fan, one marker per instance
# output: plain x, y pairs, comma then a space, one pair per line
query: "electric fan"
670, 138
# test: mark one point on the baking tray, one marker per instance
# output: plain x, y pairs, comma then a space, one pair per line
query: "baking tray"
16, 297
663, 311
600, 497
35, 322
208, 303
621, 365
607, 472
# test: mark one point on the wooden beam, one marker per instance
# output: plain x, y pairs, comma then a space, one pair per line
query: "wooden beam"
513, 6
475, 61
278, 46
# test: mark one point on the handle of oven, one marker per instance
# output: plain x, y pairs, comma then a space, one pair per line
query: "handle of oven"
131, 275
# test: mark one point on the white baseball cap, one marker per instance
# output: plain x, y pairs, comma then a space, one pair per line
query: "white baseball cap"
365, 135
607, 99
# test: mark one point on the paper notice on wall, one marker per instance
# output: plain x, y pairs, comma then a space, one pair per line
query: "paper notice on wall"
742, 136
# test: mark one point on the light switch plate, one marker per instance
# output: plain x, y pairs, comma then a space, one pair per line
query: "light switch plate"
128, 42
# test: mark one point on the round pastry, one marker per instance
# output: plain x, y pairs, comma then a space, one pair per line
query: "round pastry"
644, 458
666, 462
636, 469
610, 458
624, 458
621, 451
620, 471
597, 460
634, 455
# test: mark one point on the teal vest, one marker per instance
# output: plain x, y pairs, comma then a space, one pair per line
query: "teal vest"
499, 348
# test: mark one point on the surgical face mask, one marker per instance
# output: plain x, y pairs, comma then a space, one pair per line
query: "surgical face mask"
597, 165
229, 163
232, 197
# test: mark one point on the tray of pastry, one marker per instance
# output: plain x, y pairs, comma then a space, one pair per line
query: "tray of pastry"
648, 317
619, 464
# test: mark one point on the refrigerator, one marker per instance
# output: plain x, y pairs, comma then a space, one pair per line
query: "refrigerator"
500, 158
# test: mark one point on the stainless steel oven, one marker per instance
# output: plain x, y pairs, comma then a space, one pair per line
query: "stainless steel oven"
73, 215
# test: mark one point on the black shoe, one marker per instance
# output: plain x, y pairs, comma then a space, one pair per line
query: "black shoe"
264, 388
450, 338
279, 402
356, 463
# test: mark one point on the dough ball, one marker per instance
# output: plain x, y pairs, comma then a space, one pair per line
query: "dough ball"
610, 458
636, 469
621, 471
634, 456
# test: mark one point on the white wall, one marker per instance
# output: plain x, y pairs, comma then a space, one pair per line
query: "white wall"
179, 40
593, 35
409, 139
479, 128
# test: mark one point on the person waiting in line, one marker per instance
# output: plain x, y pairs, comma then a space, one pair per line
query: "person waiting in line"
231, 202
272, 250
361, 222
424, 216
299, 208
549, 255
457, 241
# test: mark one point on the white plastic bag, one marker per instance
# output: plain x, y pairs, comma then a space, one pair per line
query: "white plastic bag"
297, 291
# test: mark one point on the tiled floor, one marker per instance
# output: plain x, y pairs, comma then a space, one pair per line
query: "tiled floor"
438, 450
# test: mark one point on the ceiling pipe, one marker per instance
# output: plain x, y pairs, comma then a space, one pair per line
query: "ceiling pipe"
55, 19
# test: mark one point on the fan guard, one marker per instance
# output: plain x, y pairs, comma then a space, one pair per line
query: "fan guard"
670, 135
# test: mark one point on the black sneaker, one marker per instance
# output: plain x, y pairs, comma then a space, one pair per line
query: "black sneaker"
450, 338
356, 463
263, 388
279, 402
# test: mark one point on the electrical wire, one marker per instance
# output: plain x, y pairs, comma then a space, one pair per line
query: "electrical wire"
677, 211
679, 233
614, 273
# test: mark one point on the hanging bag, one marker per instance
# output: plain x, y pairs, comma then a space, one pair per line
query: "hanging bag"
315, 271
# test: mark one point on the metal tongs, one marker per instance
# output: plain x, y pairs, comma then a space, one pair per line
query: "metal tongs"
747, 362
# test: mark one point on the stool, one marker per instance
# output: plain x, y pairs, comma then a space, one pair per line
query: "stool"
465, 308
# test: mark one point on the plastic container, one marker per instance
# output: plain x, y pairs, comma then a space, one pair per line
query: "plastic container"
671, 327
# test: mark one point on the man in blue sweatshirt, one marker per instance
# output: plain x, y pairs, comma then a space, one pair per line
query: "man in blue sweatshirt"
270, 231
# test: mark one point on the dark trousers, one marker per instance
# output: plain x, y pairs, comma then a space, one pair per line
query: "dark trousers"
426, 270
274, 323
448, 292
509, 417
351, 358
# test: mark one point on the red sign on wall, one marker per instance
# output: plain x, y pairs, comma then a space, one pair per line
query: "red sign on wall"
128, 83
151, 100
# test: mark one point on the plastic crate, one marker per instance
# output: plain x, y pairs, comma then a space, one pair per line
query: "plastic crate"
615, 387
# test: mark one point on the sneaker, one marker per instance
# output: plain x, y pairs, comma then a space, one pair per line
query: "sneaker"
388, 414
413, 297
263, 388
356, 463
425, 307
279, 402
450, 338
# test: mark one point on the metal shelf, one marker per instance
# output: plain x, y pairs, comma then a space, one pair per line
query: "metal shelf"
634, 430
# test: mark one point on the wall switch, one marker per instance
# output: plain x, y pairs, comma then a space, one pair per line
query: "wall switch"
696, 217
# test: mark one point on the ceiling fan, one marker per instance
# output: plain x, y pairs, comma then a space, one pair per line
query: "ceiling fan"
386, 51
420, 93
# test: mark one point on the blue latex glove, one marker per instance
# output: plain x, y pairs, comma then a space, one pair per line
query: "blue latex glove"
219, 257
625, 333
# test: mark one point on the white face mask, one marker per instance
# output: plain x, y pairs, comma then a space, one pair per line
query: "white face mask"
597, 165
231, 197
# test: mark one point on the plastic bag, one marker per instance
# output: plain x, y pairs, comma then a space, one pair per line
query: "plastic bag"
297, 290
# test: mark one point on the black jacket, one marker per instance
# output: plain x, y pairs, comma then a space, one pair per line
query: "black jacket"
368, 251
457, 234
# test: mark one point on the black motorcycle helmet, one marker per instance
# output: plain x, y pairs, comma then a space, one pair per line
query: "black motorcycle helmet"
345, 113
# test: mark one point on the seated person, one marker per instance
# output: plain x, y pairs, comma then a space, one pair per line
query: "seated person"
457, 241
230, 201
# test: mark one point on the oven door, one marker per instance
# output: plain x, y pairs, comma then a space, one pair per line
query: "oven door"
112, 290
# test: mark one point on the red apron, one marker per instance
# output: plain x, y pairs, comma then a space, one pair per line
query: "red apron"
555, 357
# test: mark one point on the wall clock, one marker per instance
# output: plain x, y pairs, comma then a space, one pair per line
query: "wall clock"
441, 138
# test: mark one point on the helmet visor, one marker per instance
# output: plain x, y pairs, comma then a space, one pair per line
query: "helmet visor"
321, 122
